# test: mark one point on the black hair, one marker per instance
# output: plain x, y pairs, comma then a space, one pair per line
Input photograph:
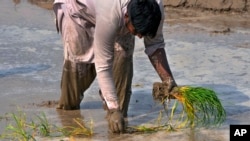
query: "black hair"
145, 16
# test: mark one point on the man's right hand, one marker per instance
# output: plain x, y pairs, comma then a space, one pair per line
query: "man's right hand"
116, 121
162, 90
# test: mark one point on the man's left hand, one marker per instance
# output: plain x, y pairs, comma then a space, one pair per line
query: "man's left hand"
116, 121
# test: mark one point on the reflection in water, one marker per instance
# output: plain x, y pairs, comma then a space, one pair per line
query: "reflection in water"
67, 117
46, 4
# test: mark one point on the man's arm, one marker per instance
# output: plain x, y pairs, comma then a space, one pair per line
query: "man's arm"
157, 55
107, 25
104, 38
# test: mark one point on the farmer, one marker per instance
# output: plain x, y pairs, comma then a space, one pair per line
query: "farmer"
98, 38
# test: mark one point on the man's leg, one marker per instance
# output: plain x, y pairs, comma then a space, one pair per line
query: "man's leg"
123, 70
75, 80
76, 76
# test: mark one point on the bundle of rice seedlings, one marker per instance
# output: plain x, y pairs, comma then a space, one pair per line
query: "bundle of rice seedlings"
200, 105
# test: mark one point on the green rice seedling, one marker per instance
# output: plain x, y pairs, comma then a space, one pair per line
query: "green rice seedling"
44, 128
81, 130
22, 130
200, 105
143, 129
159, 119
19, 129
161, 125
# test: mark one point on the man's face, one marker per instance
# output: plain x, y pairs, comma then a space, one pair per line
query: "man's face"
130, 27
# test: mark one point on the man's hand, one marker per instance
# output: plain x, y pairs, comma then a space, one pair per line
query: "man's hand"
162, 90
170, 83
116, 121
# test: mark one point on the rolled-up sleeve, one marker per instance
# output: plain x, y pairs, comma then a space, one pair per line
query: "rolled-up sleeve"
152, 44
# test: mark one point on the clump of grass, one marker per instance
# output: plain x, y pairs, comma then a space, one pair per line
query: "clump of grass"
200, 105
18, 130
22, 128
43, 126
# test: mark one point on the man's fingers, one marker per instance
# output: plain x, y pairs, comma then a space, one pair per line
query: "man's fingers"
117, 127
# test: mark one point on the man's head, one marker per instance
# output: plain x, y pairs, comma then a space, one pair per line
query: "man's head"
144, 16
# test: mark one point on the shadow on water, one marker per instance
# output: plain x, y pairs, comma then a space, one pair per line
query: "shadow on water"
23, 70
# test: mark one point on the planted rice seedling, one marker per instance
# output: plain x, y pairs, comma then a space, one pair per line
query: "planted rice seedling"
199, 107
23, 129
81, 130
18, 130
44, 128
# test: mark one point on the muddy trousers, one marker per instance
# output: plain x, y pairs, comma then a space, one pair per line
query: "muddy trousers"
77, 78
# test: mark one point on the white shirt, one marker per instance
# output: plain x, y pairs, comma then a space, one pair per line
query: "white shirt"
108, 17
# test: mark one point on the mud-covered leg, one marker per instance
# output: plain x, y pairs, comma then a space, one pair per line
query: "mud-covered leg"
76, 78
123, 70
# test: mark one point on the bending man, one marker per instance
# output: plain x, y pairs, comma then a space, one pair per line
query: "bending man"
98, 39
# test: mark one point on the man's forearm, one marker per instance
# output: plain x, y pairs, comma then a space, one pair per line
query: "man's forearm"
159, 61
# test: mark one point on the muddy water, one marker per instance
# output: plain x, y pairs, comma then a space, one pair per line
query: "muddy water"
204, 49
